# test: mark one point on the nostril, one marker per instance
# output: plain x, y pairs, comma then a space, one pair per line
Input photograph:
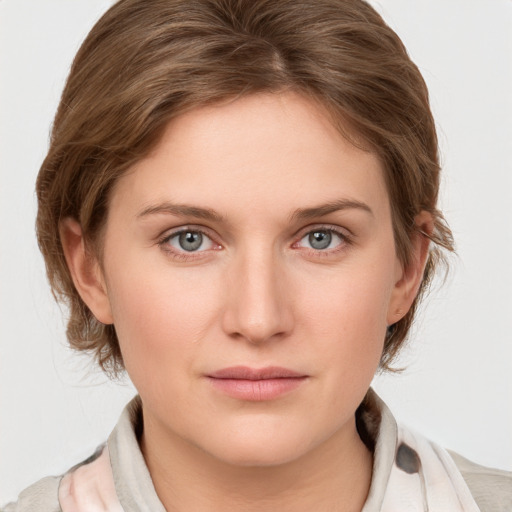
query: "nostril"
258, 307
258, 325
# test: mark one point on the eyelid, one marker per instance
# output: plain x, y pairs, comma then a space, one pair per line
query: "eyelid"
341, 231
169, 232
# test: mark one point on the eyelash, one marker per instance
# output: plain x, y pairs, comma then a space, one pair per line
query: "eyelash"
345, 240
163, 242
183, 255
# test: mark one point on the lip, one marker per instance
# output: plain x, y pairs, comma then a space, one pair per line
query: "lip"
256, 384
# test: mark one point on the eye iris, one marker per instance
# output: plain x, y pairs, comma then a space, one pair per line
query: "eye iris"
190, 240
320, 239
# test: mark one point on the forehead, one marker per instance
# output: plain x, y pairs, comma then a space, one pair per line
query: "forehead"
280, 151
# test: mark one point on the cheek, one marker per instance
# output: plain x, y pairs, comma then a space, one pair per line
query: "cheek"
160, 315
346, 313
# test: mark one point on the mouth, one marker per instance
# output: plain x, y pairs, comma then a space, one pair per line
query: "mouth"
256, 384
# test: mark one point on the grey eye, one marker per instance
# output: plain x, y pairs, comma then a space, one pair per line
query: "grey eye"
190, 240
320, 239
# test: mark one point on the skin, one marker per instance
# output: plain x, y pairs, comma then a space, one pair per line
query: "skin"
257, 293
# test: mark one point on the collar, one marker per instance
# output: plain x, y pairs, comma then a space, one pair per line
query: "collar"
409, 472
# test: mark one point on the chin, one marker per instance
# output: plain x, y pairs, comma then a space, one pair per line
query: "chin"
260, 447
271, 455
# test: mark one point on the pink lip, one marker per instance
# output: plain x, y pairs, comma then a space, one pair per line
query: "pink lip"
256, 384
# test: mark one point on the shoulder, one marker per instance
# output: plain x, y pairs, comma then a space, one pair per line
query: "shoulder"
491, 488
87, 486
43, 496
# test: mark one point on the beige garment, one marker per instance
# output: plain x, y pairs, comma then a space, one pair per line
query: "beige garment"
116, 479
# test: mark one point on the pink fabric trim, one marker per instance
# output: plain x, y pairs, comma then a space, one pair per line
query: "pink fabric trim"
90, 488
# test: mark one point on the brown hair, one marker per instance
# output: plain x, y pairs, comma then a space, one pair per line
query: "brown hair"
147, 61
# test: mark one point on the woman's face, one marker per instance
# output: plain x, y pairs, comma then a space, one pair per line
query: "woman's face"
251, 273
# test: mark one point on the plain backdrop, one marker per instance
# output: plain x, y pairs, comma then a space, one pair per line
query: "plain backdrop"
55, 407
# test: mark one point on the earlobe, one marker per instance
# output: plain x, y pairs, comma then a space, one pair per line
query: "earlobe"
409, 278
85, 271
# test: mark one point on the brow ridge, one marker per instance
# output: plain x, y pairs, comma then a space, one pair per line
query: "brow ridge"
330, 207
183, 210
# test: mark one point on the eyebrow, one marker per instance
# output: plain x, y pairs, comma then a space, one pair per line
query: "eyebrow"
182, 210
330, 207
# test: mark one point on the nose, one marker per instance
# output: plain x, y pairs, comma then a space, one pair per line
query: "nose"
259, 305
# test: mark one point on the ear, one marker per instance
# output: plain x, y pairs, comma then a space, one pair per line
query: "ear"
85, 271
409, 278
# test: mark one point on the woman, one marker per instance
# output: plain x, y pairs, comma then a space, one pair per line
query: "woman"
239, 207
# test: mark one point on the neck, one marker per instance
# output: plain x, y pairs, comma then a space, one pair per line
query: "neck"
333, 476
